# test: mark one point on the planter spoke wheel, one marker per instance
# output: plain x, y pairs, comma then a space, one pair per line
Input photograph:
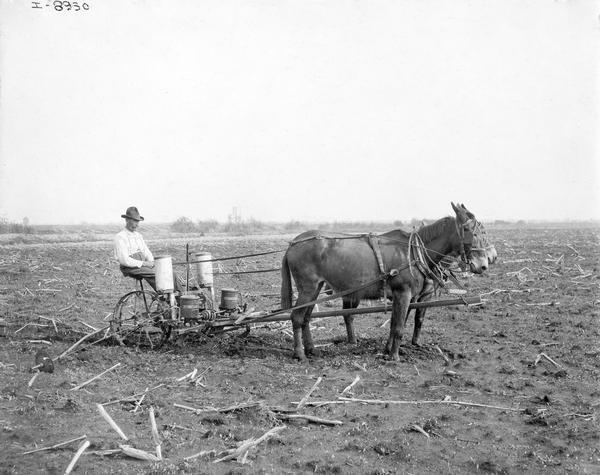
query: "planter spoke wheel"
141, 318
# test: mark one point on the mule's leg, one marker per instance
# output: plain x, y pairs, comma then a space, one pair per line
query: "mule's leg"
420, 312
407, 317
309, 346
299, 326
419, 318
303, 343
399, 310
297, 318
349, 320
394, 324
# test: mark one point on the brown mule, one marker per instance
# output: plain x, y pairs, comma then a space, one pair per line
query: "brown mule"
399, 264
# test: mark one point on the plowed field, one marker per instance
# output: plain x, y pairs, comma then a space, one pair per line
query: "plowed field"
525, 367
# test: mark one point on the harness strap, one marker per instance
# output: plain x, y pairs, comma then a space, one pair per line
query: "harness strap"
374, 243
411, 238
416, 246
453, 278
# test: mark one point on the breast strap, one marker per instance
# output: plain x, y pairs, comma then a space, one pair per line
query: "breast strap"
374, 243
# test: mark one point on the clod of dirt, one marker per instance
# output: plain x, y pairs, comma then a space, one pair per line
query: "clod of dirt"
44, 362
430, 425
70, 406
256, 416
236, 471
320, 467
508, 369
21, 437
545, 399
491, 467
397, 451
83, 356
215, 419
8, 392
538, 420
52, 468
354, 446
382, 449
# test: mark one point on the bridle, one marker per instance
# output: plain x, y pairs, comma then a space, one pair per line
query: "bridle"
466, 232
480, 232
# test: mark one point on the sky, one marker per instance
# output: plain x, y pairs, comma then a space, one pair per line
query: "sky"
312, 110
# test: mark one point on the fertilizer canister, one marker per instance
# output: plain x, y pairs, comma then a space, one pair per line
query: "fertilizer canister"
230, 299
204, 270
189, 306
163, 267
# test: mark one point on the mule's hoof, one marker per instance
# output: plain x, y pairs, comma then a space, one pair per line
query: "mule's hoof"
313, 352
395, 355
301, 357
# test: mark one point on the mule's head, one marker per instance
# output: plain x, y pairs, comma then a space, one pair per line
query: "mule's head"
485, 244
478, 258
471, 248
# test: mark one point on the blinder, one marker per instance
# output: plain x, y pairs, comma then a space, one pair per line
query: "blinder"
466, 232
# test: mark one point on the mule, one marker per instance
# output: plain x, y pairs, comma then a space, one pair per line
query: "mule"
400, 264
490, 251
485, 244
479, 254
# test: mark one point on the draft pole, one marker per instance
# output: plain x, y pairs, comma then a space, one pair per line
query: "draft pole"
187, 267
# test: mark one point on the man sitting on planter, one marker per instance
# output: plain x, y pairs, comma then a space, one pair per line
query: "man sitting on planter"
134, 257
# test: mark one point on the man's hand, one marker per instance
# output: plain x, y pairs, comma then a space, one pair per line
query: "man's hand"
148, 264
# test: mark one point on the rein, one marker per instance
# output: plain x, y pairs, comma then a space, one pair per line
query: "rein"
229, 258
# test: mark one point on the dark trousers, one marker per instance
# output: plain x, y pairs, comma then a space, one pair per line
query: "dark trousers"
149, 276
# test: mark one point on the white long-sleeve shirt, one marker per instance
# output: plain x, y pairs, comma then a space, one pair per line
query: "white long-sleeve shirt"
131, 243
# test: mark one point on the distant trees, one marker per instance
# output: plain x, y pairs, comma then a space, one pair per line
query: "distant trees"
245, 227
294, 225
207, 226
7, 227
233, 226
184, 225
237, 226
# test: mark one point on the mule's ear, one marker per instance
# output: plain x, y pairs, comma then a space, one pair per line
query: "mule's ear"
456, 210
470, 215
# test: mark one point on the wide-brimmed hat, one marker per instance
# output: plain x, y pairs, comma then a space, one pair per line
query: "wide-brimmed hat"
132, 213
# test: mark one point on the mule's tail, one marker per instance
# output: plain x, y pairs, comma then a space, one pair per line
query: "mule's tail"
286, 284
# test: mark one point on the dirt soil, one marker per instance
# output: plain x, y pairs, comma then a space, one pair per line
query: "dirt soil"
533, 414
